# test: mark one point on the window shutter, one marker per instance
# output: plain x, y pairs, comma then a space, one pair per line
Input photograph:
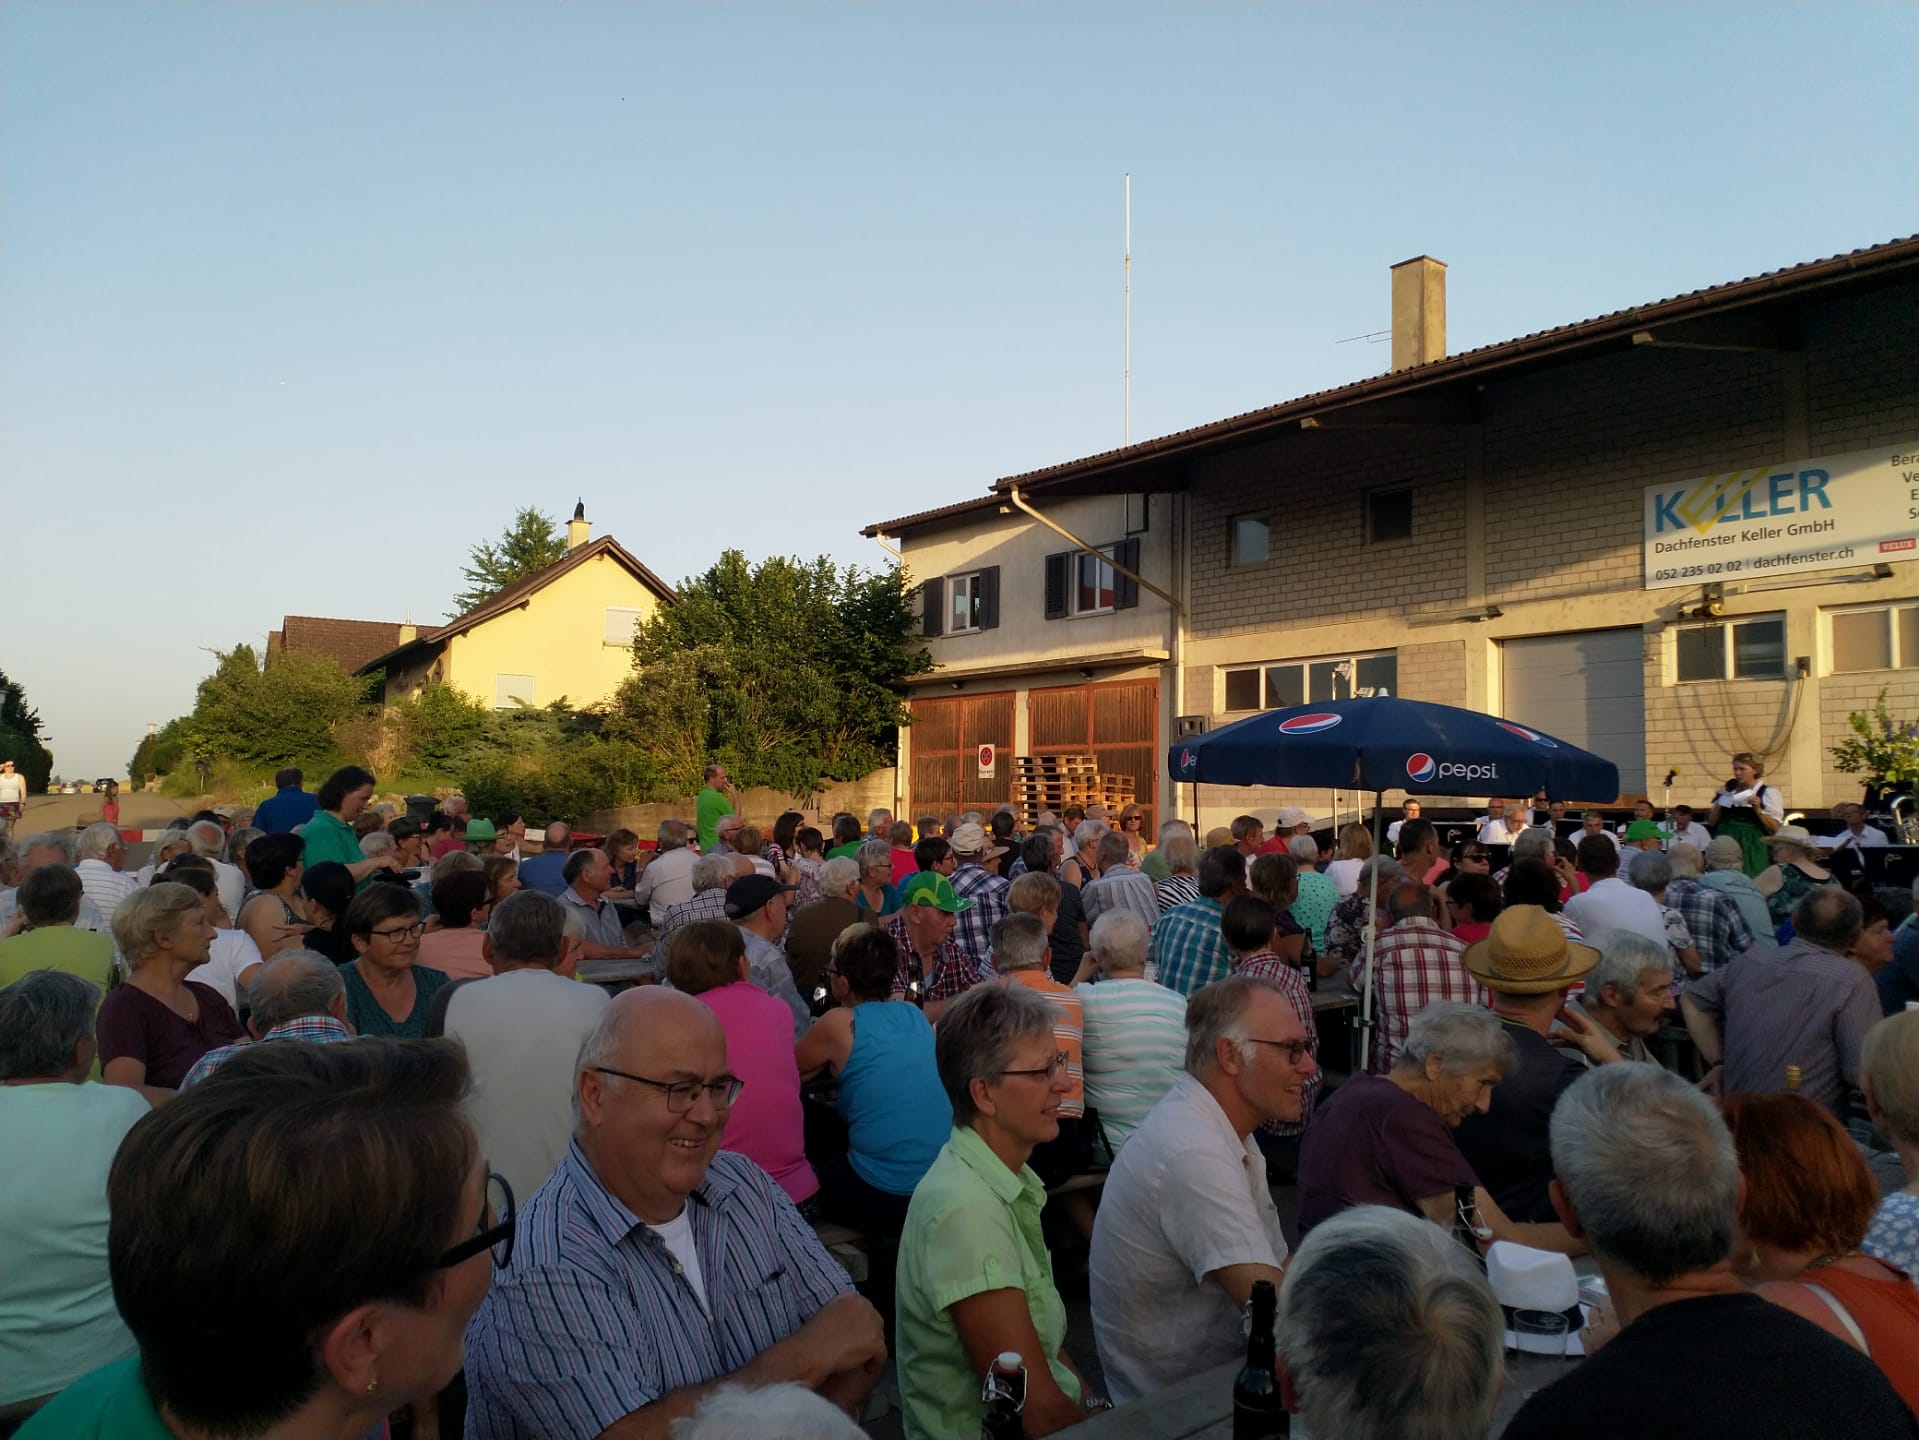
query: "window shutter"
932, 599
989, 598
1058, 577
1125, 587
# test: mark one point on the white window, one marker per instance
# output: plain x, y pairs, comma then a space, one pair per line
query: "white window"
1095, 582
1279, 684
1251, 540
621, 621
963, 596
513, 692
1876, 637
1749, 649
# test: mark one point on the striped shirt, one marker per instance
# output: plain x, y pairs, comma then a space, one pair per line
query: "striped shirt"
974, 931
1069, 1029
320, 1029
595, 1319
1121, 888
105, 886
1135, 1050
1188, 950
1418, 964
1177, 890
706, 905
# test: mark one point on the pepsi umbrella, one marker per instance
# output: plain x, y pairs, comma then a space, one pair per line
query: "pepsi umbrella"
1382, 743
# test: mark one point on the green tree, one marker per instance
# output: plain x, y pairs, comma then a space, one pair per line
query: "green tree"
791, 672
531, 543
247, 712
20, 736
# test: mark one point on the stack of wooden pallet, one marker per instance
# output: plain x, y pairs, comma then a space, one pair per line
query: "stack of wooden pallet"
1052, 782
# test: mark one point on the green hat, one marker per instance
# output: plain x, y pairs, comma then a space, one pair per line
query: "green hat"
931, 888
481, 830
1645, 830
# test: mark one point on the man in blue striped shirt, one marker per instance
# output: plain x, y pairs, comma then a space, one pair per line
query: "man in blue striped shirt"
652, 1266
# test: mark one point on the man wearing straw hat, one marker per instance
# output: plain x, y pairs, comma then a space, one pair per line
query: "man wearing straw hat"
1530, 967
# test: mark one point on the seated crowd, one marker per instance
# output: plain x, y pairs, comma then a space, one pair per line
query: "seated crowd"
963, 1045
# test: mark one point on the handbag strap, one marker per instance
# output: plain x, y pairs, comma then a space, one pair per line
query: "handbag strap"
1844, 1315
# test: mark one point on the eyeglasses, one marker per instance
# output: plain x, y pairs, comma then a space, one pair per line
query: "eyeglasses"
681, 1094
1478, 855
1293, 1050
1056, 1066
495, 1228
416, 929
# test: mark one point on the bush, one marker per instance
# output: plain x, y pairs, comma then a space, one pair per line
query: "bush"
442, 725
561, 783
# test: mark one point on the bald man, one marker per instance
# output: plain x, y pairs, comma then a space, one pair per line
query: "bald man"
296, 995
654, 1267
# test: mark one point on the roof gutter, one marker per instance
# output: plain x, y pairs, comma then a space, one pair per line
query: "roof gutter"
1019, 500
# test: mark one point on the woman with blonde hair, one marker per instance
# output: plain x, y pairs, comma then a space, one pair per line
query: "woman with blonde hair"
154, 1027
1132, 824
1355, 849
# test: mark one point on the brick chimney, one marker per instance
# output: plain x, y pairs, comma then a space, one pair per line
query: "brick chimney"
1419, 312
578, 530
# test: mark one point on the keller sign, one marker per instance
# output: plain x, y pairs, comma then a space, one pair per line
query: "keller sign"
1830, 513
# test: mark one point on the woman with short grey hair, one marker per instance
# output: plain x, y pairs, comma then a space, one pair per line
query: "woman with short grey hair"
875, 898
1134, 1044
1389, 1330
57, 1314
1346, 930
1387, 1139
975, 1277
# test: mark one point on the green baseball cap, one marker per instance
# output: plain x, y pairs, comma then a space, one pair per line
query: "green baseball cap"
931, 888
1645, 830
481, 830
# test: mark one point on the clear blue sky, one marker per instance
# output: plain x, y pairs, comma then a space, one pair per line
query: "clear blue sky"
302, 300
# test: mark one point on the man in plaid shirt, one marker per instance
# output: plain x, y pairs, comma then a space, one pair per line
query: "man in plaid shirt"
1719, 932
1188, 949
932, 969
1418, 964
972, 881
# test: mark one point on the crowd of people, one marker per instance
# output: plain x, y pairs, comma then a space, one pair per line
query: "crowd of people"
436, 1178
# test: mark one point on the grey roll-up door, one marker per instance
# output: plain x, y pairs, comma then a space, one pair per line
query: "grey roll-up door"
1589, 688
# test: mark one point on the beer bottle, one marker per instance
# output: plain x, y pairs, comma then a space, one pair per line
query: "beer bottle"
1792, 1079
1259, 1410
1004, 1396
1468, 1229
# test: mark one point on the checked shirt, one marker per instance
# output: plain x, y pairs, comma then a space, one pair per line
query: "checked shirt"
1188, 950
1719, 932
954, 971
974, 932
1418, 964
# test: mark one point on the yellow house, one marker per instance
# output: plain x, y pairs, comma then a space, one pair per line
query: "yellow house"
563, 632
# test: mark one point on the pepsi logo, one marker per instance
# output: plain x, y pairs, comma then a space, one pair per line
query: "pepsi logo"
1524, 734
1421, 767
1308, 724
1186, 759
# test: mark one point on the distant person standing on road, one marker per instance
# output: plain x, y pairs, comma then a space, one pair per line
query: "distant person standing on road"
717, 800
13, 792
288, 807
110, 804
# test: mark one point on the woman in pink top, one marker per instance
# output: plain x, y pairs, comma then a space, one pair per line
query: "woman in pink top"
708, 959
455, 947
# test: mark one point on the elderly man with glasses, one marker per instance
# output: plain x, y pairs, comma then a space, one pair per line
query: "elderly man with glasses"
653, 1266
1187, 1224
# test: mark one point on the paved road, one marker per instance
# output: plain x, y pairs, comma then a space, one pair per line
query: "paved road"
138, 810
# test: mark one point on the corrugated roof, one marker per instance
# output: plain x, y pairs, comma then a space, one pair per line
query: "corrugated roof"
349, 643
1555, 342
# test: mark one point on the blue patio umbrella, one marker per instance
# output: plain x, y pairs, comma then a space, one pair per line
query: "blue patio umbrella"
1382, 743
1385, 743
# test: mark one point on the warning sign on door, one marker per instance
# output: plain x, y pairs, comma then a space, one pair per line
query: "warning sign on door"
988, 758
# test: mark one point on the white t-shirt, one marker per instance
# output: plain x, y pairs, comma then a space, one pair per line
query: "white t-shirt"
1691, 833
667, 881
1345, 875
1612, 904
13, 789
522, 1031
230, 956
1186, 1196
677, 1236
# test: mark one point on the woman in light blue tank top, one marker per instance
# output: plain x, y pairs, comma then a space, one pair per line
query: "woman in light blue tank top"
896, 1111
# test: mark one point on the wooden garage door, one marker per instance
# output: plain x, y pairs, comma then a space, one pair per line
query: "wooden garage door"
944, 742
1118, 722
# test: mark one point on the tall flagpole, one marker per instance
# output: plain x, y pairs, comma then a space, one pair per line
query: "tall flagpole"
1126, 428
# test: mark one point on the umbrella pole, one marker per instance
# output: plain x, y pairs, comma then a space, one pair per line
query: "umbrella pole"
1372, 926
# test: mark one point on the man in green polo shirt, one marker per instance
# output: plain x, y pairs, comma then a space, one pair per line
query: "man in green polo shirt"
717, 799
50, 903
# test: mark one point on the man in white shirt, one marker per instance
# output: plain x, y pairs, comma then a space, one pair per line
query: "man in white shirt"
667, 879
1609, 903
522, 1028
1593, 823
103, 854
1506, 826
1857, 835
1186, 1224
1688, 831
208, 841
53, 848
1408, 811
